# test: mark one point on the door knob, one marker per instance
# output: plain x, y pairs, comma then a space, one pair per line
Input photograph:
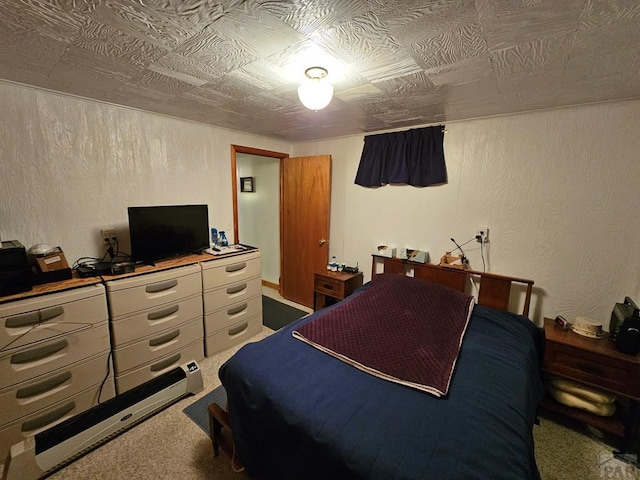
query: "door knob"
322, 241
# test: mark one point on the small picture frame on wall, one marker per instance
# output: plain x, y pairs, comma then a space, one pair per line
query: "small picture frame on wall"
246, 184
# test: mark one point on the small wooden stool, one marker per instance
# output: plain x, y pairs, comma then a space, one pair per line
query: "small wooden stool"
219, 419
220, 433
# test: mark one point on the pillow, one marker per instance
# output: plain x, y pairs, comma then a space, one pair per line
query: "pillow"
571, 400
580, 390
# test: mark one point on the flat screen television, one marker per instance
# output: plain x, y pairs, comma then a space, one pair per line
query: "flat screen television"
167, 231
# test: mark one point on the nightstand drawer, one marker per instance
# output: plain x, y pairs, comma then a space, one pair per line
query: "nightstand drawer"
329, 286
604, 372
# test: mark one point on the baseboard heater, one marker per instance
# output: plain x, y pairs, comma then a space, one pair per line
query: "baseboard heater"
63, 443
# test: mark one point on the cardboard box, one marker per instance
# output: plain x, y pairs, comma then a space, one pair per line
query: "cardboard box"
384, 251
453, 261
52, 261
418, 256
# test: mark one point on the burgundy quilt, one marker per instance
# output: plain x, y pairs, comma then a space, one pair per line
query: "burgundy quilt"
402, 329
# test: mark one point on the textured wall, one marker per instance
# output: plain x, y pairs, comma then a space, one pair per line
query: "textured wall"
558, 190
69, 166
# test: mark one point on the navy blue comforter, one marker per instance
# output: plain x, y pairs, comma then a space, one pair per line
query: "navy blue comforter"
297, 413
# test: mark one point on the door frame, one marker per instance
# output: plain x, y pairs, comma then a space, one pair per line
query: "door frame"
235, 149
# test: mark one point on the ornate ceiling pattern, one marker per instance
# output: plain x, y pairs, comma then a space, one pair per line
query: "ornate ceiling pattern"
393, 63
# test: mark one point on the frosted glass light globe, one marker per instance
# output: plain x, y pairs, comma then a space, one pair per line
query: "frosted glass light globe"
315, 93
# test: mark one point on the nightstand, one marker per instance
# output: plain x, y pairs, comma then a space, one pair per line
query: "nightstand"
596, 362
334, 285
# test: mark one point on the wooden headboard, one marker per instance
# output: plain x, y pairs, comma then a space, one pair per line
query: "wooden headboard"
494, 290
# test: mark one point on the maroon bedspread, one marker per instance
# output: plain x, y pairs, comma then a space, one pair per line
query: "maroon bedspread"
402, 329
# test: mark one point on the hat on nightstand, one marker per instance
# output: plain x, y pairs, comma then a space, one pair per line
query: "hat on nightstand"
587, 327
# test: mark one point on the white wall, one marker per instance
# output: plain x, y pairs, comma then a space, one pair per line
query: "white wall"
69, 166
259, 211
559, 191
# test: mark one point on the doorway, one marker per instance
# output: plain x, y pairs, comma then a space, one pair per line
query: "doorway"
304, 191
256, 211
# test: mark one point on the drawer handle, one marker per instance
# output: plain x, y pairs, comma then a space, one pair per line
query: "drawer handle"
48, 384
49, 313
33, 318
328, 286
48, 418
237, 330
238, 309
165, 363
236, 289
165, 312
160, 286
590, 368
38, 353
236, 267
154, 342
26, 319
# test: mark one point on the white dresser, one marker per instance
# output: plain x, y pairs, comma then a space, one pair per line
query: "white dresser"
54, 360
156, 323
232, 294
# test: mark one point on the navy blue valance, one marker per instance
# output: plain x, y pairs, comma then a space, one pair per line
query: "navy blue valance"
414, 157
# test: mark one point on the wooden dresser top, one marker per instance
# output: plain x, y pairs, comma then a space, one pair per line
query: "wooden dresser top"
77, 282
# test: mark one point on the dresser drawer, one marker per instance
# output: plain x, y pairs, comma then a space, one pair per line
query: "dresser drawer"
598, 370
329, 286
127, 381
231, 294
130, 329
160, 344
43, 357
35, 319
38, 393
134, 294
239, 268
23, 428
233, 314
232, 335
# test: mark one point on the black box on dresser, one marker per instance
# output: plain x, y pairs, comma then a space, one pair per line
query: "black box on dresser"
15, 273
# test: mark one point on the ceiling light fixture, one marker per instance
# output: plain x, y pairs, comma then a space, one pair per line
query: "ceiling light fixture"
315, 93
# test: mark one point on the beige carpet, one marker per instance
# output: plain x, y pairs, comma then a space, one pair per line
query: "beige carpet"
171, 446
568, 450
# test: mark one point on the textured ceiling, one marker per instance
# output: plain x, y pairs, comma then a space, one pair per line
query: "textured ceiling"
393, 63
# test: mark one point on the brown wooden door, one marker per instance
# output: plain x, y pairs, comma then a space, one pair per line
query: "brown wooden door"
304, 227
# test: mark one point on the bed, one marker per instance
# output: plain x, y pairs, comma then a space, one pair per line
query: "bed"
297, 412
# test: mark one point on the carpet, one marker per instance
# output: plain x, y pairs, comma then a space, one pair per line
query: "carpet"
276, 315
198, 411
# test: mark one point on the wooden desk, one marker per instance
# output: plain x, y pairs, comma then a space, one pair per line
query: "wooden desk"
596, 362
336, 285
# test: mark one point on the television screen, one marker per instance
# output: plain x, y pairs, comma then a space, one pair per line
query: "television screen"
167, 231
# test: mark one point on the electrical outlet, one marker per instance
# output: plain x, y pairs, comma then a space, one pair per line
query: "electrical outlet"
109, 237
482, 233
